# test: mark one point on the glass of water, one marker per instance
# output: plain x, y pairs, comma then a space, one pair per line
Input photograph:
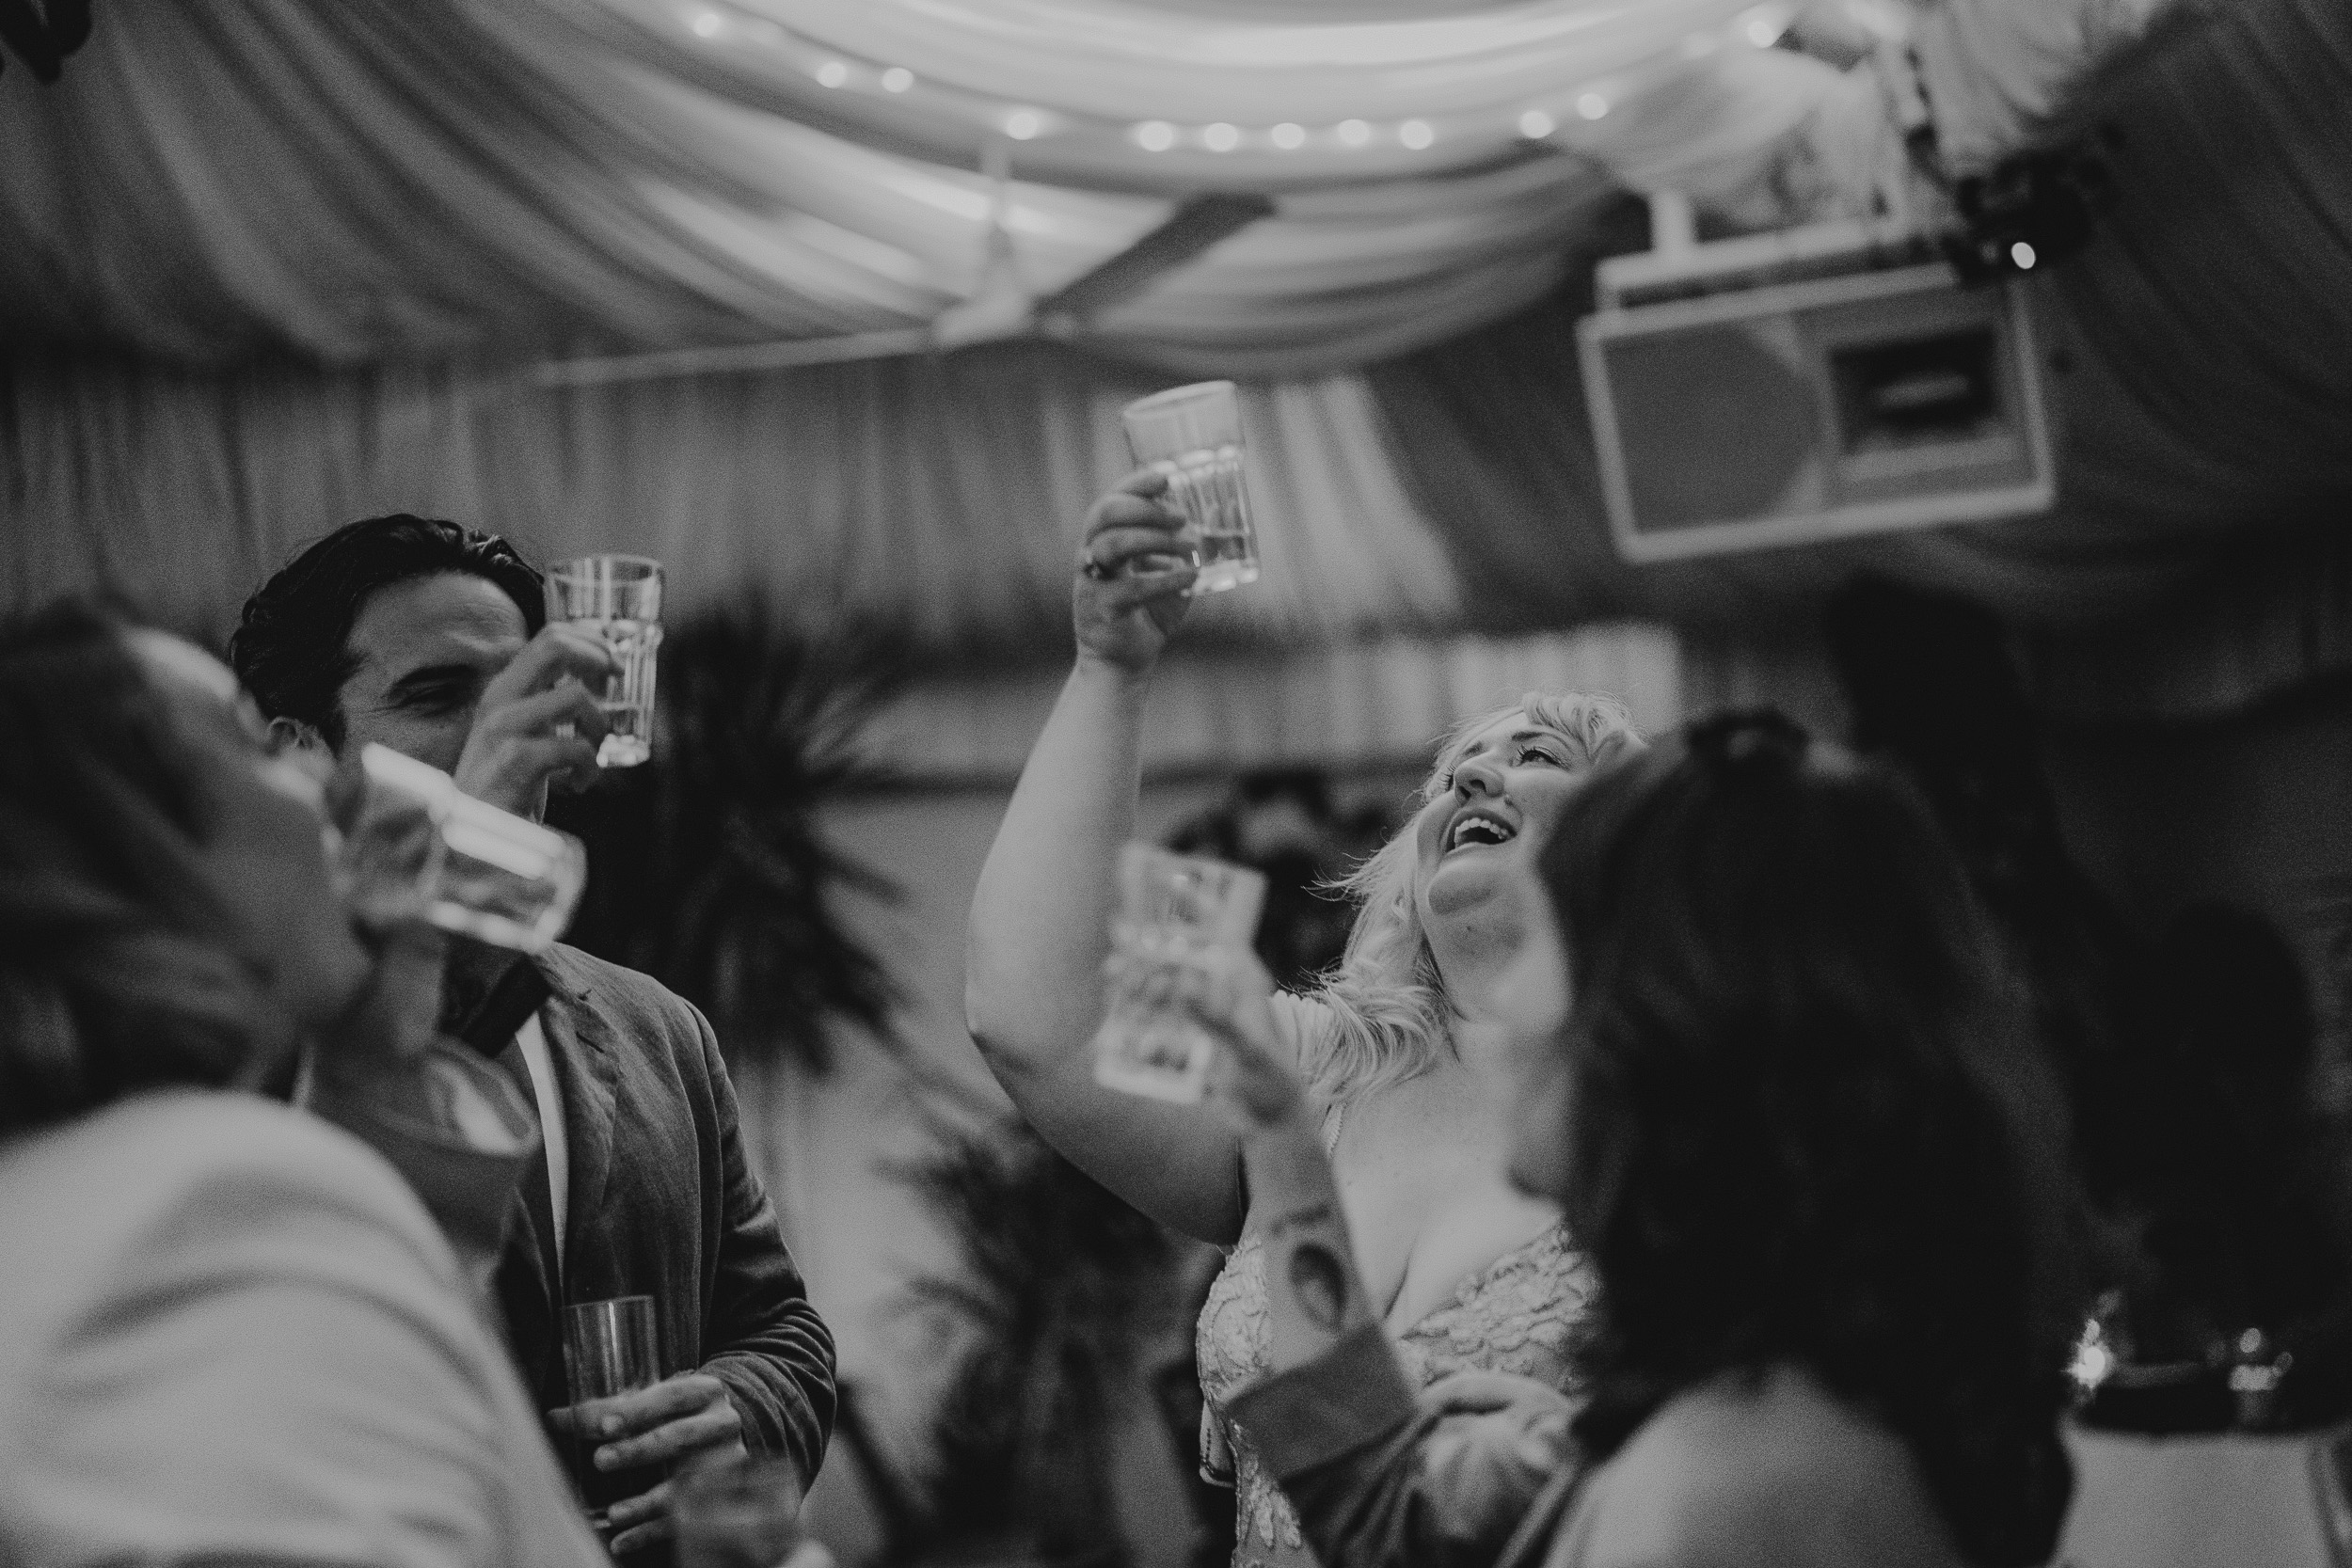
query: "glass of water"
616, 598
420, 848
610, 1347
1171, 908
1193, 435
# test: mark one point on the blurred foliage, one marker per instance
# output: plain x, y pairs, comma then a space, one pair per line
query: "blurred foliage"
707, 869
1284, 824
1054, 1293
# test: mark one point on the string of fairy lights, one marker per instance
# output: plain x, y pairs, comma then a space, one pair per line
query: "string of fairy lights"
835, 70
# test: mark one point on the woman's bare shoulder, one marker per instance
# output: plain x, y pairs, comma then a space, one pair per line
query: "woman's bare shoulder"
1770, 1470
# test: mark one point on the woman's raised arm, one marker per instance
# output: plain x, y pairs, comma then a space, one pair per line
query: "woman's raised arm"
1041, 916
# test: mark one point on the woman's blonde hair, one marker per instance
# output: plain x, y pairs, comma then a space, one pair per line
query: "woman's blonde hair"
1386, 999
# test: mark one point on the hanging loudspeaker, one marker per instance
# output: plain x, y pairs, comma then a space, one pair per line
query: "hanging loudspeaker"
1796, 387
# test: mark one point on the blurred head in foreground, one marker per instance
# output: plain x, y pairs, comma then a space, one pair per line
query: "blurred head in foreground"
1796, 1118
167, 916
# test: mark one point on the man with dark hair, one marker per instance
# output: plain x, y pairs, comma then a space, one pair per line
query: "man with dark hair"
432, 640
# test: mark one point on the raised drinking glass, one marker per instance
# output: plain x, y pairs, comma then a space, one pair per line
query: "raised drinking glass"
616, 598
1172, 909
420, 848
1193, 435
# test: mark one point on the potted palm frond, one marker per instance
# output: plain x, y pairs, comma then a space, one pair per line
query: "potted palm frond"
1055, 1296
708, 870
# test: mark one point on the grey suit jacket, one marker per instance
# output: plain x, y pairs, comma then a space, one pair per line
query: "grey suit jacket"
663, 1202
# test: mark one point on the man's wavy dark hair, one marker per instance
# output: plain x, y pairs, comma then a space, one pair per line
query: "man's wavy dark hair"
1809, 1123
292, 645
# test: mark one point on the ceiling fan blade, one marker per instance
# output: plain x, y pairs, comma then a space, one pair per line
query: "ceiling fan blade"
734, 356
1196, 225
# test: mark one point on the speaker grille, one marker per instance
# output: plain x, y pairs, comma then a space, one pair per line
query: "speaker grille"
1715, 425
1814, 410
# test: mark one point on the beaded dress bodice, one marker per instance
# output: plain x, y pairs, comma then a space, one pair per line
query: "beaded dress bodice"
1516, 1315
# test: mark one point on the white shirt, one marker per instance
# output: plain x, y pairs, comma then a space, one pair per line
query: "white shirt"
533, 1041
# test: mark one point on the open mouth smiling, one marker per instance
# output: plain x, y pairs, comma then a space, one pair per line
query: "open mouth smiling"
1478, 828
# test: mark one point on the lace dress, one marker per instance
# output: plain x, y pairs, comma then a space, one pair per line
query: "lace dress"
1516, 1315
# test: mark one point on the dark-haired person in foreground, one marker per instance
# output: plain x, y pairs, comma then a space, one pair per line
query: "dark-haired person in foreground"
1769, 1066
229, 1333
432, 640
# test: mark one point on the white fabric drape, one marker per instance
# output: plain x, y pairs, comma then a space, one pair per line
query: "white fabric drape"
937, 501
1092, 72
370, 180
374, 181
1380, 703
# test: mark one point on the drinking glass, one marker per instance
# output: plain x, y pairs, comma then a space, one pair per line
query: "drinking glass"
419, 846
736, 1510
1193, 435
618, 599
610, 1347
1171, 908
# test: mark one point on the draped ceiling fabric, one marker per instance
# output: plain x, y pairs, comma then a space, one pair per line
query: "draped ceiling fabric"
362, 182
321, 244
933, 500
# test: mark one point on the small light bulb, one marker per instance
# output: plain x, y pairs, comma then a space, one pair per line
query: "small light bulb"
1592, 105
707, 25
2022, 255
1416, 133
1023, 124
1355, 133
1155, 135
897, 79
1220, 137
1535, 125
1290, 138
833, 73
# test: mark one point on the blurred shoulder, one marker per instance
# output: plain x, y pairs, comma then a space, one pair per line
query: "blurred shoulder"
182, 1183
1763, 1471
161, 1146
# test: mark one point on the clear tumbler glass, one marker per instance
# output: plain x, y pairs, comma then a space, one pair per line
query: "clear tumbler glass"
618, 599
1171, 907
610, 1347
1193, 435
419, 846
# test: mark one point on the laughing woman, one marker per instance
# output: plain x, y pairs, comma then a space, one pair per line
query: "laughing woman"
1410, 1090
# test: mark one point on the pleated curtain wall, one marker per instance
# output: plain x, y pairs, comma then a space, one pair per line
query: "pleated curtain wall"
935, 500
269, 267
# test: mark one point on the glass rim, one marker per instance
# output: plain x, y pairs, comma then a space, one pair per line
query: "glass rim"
583, 566
1176, 397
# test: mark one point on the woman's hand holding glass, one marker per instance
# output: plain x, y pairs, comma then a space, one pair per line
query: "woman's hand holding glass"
1251, 1085
1132, 575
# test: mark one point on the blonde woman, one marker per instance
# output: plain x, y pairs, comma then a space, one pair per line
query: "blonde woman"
1466, 1272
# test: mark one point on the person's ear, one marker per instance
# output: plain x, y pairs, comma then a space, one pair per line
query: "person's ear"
293, 732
